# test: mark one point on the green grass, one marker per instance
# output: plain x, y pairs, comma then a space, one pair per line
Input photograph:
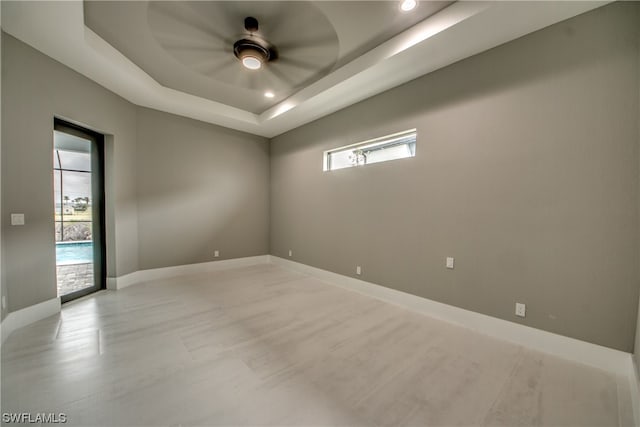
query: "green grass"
75, 217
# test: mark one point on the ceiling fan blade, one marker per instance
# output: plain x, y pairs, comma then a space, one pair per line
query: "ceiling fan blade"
268, 80
249, 80
298, 63
209, 62
169, 10
292, 14
173, 40
302, 43
217, 18
212, 70
273, 70
187, 47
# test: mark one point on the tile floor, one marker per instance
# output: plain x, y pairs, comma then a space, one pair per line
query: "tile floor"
263, 345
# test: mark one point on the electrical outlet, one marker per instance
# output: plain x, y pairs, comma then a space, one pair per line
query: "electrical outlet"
216, 254
450, 262
4, 302
358, 270
521, 309
290, 252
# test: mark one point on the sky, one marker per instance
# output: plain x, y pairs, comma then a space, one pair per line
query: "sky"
75, 184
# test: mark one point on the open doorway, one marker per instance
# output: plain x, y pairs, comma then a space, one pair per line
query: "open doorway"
78, 159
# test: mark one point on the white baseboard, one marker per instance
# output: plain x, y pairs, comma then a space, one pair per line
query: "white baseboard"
19, 318
112, 283
141, 276
618, 362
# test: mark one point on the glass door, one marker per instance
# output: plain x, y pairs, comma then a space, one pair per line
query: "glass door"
78, 209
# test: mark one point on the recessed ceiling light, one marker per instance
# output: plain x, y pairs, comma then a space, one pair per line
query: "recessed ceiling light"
269, 94
407, 5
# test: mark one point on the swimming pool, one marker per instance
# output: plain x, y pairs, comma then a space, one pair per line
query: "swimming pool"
74, 252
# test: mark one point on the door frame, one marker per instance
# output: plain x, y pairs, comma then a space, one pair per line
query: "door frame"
97, 208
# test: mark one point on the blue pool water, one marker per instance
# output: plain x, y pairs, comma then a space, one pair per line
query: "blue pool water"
74, 252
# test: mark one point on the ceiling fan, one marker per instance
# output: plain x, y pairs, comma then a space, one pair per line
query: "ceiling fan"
252, 50
293, 42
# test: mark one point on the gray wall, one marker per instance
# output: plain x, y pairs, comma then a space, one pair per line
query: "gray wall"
526, 172
200, 188
37, 88
177, 189
637, 341
3, 285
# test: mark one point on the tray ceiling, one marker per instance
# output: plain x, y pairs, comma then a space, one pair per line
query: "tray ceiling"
177, 56
188, 45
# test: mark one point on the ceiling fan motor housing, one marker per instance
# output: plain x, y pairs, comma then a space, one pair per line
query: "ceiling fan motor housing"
247, 47
252, 50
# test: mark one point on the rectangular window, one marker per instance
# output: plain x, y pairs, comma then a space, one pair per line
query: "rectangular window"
391, 147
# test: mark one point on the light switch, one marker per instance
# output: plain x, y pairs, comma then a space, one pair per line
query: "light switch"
17, 219
449, 262
521, 309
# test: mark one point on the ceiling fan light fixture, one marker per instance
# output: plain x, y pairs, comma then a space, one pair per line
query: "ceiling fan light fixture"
252, 55
251, 62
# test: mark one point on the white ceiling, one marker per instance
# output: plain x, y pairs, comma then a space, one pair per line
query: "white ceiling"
164, 55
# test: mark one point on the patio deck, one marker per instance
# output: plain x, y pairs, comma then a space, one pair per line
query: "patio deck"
73, 277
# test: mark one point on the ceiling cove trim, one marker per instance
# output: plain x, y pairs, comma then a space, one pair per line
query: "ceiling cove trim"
57, 29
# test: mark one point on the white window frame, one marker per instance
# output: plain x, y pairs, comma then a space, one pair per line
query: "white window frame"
372, 145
